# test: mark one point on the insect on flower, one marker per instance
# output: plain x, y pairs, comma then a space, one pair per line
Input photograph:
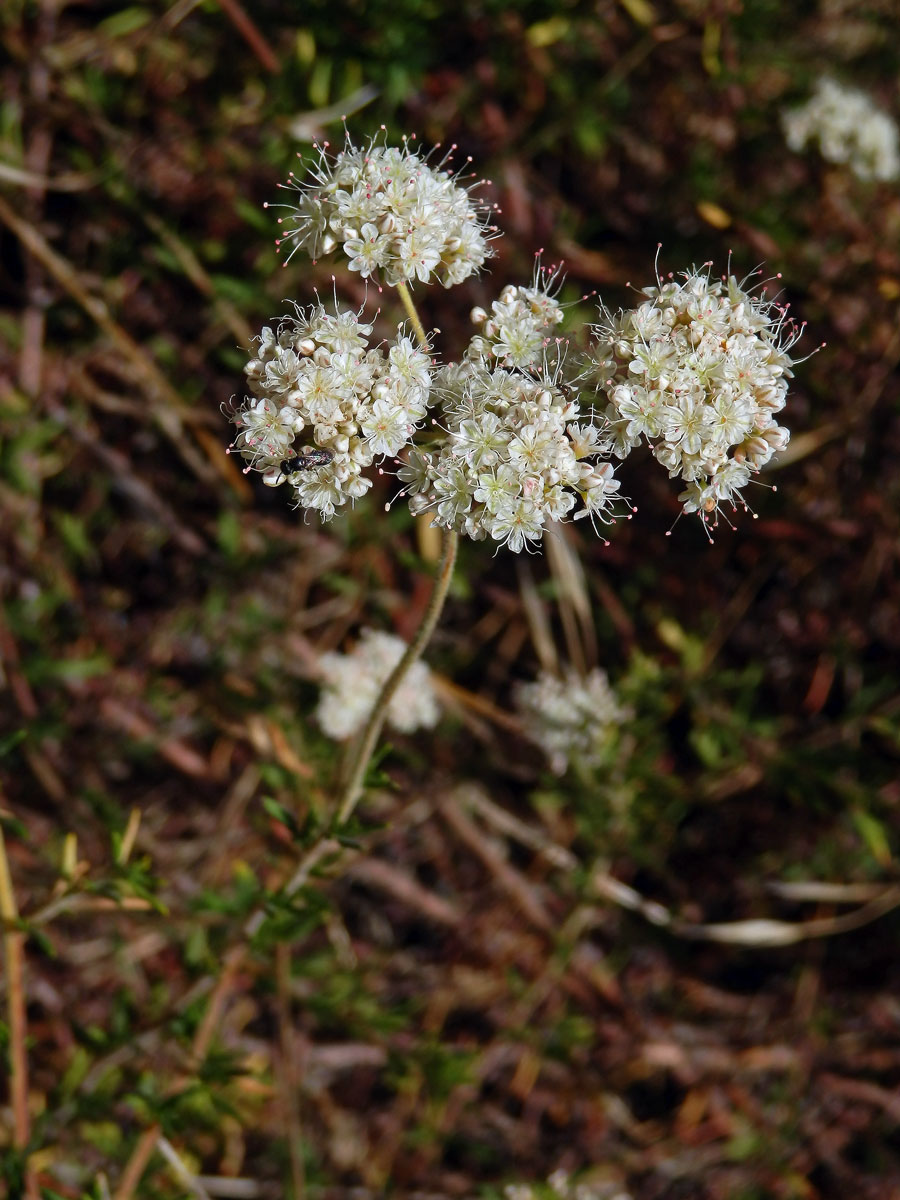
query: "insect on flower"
317, 457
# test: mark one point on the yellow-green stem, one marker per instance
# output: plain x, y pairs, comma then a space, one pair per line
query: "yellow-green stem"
414, 317
366, 746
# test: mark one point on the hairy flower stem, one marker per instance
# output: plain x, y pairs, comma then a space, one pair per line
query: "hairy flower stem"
357, 765
414, 318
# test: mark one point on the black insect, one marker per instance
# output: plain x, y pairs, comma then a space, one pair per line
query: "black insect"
306, 461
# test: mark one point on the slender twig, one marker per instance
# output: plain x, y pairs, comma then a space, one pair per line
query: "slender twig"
207, 1027
13, 955
149, 1140
759, 932
38, 152
231, 1186
319, 850
70, 181
525, 894
200, 278
71, 902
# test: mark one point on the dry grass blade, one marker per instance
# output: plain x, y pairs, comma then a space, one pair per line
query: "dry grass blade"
381, 876
286, 1072
573, 601
536, 616
820, 892
231, 1188
140, 493
14, 958
137, 1163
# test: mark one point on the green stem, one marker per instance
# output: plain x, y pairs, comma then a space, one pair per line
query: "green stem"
360, 760
414, 317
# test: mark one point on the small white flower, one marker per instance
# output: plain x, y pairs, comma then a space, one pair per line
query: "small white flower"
267, 430
517, 523
639, 409
367, 252
598, 489
588, 440
386, 429
415, 472
482, 440
685, 422
497, 489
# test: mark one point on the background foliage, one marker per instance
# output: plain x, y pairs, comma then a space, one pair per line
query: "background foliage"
465, 1001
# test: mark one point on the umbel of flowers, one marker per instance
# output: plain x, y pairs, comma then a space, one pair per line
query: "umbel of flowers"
395, 215
519, 455
318, 385
526, 432
698, 370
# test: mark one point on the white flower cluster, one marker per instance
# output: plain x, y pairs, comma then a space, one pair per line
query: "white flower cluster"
396, 216
351, 684
516, 332
849, 129
314, 377
699, 369
570, 718
515, 457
